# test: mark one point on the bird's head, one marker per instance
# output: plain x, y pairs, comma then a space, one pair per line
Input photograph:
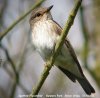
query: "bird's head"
40, 14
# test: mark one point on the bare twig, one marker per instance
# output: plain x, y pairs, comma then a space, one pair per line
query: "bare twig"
14, 70
21, 18
21, 64
86, 37
9, 59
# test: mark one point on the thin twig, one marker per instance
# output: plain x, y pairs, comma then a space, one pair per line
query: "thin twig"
14, 70
21, 64
21, 18
9, 59
58, 46
86, 37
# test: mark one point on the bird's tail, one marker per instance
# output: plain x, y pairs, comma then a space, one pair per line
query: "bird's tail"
86, 85
83, 81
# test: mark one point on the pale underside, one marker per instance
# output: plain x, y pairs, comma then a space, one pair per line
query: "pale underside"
44, 40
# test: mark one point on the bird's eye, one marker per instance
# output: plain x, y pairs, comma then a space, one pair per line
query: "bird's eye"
38, 14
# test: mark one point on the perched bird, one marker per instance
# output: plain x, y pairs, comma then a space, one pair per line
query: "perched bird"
45, 34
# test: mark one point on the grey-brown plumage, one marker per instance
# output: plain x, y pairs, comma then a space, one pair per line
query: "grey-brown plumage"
45, 33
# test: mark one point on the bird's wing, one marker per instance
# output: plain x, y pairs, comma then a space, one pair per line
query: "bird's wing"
69, 47
72, 53
83, 81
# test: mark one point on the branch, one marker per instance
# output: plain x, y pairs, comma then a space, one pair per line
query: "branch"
58, 46
86, 38
9, 59
14, 70
18, 71
21, 18
21, 64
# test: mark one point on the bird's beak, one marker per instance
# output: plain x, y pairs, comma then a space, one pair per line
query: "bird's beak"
49, 8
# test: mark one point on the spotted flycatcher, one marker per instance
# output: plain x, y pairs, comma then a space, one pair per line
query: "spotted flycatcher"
45, 34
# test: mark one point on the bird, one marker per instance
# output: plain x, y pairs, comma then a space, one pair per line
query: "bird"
45, 33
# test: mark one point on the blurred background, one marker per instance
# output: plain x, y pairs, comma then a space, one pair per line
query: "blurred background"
21, 66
